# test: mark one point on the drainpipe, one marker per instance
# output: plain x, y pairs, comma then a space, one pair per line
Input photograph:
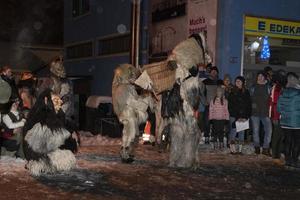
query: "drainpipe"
135, 32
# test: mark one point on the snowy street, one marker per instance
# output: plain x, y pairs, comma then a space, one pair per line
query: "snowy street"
101, 175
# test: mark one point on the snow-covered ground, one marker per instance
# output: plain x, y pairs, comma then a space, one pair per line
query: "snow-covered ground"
101, 175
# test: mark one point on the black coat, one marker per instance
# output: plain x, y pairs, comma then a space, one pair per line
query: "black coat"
239, 103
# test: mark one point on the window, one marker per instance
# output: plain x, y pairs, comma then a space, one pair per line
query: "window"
80, 7
168, 9
114, 45
82, 50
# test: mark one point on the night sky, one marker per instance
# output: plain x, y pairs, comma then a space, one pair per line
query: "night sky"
32, 21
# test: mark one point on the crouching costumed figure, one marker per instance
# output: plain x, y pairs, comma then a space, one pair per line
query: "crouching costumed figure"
181, 102
130, 107
44, 136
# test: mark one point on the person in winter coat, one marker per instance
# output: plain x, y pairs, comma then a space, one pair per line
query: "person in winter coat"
260, 94
239, 105
11, 130
289, 108
218, 115
279, 80
7, 75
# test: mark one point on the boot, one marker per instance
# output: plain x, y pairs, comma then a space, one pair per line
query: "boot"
221, 146
206, 140
215, 145
257, 150
266, 152
232, 149
126, 156
240, 149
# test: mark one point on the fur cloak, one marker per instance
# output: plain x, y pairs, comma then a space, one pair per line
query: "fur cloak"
44, 136
130, 107
184, 131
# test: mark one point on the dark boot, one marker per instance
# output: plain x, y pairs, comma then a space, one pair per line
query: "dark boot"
126, 156
257, 150
215, 145
221, 146
266, 152
206, 140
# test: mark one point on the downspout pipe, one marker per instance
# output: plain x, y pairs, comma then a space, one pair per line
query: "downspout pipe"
135, 33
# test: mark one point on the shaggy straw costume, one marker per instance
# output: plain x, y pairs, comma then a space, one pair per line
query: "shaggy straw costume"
184, 131
184, 100
44, 134
130, 107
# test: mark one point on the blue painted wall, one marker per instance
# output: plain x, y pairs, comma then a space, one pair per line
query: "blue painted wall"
230, 26
102, 20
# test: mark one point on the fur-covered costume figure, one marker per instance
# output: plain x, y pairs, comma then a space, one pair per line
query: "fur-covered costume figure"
44, 136
61, 86
179, 108
130, 107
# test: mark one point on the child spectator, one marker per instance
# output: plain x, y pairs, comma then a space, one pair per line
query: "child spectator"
211, 84
218, 115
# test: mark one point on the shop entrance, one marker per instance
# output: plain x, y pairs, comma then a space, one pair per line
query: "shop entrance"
270, 42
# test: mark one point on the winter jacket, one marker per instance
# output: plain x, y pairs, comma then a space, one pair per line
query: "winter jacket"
289, 108
260, 97
239, 103
275, 93
218, 111
10, 122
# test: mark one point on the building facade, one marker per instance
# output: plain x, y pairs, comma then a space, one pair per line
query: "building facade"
235, 52
97, 35
97, 39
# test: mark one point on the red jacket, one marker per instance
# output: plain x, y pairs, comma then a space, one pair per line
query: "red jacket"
275, 93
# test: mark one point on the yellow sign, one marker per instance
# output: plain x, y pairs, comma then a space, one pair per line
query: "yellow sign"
274, 28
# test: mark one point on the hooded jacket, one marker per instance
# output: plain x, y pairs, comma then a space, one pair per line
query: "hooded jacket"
289, 108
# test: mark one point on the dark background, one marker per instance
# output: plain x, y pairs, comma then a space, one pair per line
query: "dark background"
32, 21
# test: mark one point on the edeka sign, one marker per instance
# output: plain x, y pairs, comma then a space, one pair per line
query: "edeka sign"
271, 27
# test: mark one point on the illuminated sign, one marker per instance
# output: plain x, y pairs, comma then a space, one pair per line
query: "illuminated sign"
274, 28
